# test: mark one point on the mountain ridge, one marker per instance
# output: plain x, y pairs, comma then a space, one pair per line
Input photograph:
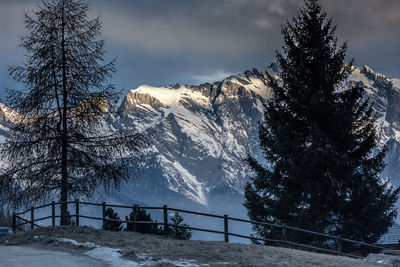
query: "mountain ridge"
202, 133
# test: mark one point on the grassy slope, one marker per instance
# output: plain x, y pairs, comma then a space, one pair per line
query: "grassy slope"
203, 252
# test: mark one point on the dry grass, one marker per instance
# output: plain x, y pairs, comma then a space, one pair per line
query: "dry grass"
157, 247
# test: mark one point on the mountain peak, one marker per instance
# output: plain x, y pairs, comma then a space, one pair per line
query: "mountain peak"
367, 69
165, 95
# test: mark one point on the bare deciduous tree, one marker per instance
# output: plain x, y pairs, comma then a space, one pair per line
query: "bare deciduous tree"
59, 142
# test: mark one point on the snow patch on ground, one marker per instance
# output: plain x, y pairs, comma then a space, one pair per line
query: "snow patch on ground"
383, 259
113, 256
88, 245
148, 261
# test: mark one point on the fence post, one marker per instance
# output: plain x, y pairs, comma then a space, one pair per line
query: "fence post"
53, 214
339, 245
284, 232
165, 209
135, 210
104, 214
14, 223
32, 218
77, 211
226, 231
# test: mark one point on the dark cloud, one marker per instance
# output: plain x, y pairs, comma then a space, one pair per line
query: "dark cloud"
372, 30
160, 42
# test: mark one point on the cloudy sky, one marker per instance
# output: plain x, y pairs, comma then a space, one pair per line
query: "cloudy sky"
160, 42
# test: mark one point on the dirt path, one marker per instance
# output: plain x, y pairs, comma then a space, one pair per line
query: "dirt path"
17, 256
142, 248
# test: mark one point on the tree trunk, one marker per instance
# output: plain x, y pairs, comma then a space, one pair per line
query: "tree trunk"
64, 135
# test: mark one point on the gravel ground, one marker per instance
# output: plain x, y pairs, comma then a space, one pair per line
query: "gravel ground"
140, 248
17, 256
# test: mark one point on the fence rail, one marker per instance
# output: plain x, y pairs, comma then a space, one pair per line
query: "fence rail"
283, 242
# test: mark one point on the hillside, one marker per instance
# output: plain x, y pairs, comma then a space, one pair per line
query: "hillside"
134, 249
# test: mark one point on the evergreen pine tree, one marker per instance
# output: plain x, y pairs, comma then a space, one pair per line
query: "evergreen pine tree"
112, 225
178, 232
318, 140
140, 215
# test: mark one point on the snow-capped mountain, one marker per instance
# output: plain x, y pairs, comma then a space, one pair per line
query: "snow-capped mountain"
201, 135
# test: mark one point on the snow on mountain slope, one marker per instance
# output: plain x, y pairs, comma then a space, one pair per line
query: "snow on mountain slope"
201, 135
165, 95
204, 132
396, 83
385, 95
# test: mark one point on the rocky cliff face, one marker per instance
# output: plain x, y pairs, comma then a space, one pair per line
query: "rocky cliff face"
385, 95
203, 133
201, 137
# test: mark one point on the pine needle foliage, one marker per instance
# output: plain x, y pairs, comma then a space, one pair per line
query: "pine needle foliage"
112, 221
176, 231
140, 215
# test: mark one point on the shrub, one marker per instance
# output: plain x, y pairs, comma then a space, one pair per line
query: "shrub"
178, 232
112, 225
137, 215
5, 218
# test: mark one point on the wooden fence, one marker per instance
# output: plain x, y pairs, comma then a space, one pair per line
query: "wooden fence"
284, 241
